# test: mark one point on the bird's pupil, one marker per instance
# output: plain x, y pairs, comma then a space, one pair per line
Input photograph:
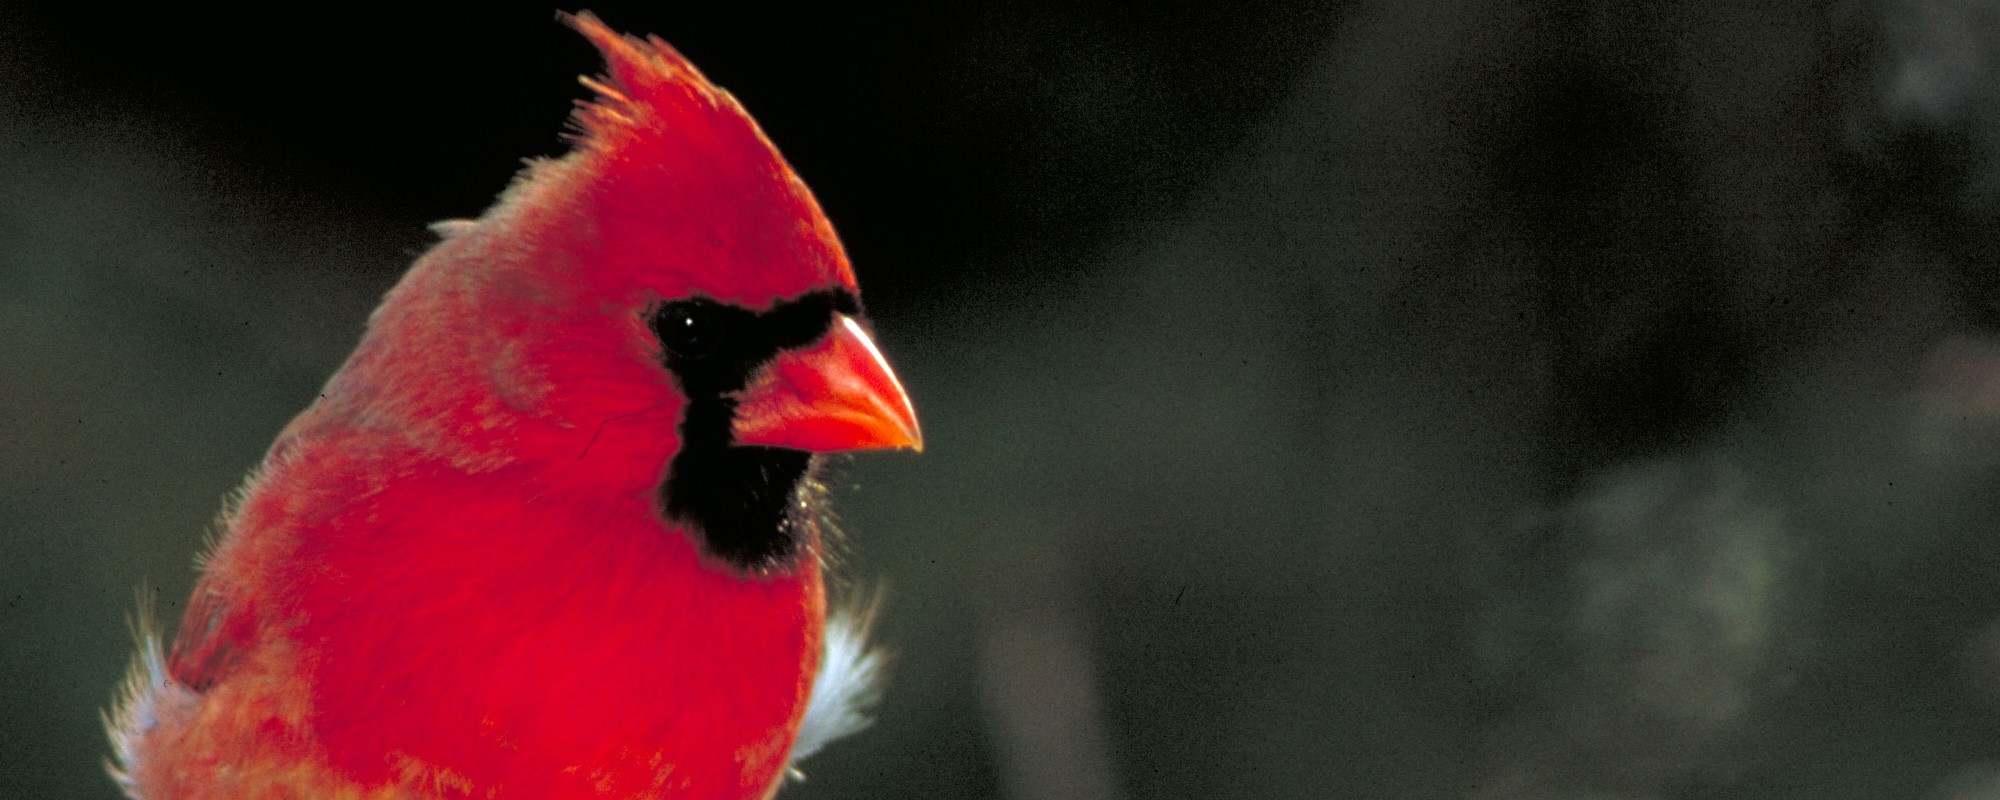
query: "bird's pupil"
688, 329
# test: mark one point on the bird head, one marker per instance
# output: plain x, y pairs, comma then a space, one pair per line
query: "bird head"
666, 308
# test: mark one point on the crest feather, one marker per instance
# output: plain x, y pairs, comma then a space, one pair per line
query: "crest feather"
645, 79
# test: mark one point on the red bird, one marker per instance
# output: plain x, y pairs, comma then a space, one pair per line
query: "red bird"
553, 530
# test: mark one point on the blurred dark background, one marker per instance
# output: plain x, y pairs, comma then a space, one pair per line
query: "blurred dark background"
1369, 399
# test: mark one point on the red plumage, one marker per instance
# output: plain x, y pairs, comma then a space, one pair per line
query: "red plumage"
452, 576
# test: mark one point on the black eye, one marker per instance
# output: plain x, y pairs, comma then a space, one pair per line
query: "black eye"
691, 329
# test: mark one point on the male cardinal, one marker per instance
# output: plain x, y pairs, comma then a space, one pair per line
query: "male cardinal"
553, 530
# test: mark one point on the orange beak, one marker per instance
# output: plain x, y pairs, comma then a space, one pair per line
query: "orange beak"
838, 394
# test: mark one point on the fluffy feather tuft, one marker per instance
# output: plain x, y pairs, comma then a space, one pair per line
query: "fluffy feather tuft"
847, 686
144, 698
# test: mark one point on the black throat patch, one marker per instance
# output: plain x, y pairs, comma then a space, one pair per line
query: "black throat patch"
748, 506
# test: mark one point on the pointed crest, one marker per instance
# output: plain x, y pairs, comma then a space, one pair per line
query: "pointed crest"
643, 77
680, 189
